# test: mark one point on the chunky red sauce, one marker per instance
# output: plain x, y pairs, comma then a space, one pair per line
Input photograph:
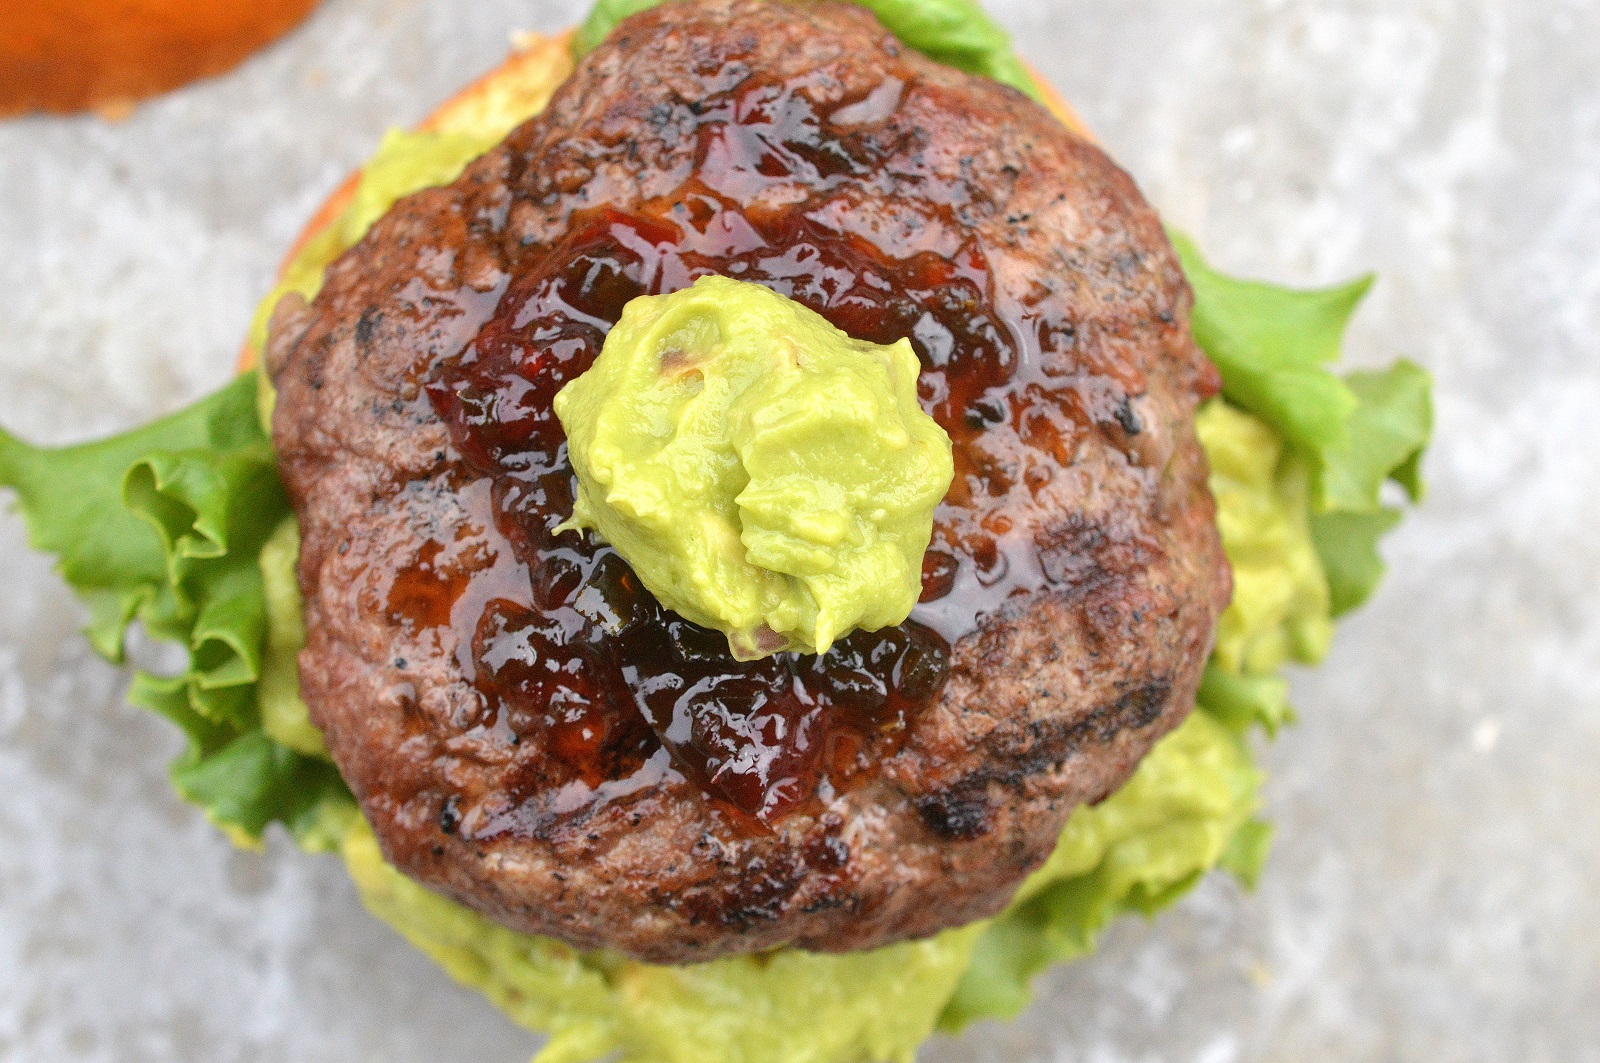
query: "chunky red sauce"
577, 655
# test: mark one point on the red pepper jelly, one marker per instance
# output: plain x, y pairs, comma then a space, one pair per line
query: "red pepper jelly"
624, 693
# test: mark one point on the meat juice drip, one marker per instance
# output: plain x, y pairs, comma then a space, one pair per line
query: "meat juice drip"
605, 675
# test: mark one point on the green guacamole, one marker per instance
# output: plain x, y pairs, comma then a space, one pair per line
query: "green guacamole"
762, 472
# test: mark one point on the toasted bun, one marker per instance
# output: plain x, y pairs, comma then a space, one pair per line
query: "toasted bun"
527, 74
105, 55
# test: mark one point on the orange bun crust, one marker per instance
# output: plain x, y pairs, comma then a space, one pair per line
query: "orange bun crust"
106, 55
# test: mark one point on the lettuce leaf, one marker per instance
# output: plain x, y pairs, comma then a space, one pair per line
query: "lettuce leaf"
957, 33
1387, 432
164, 525
1348, 436
109, 554
1241, 701
1347, 545
1271, 345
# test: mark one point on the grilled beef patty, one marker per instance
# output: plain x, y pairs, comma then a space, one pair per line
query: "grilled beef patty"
526, 729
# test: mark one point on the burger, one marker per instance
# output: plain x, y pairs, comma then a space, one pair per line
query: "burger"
747, 535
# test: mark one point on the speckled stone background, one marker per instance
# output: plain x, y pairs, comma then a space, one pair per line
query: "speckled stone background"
1433, 892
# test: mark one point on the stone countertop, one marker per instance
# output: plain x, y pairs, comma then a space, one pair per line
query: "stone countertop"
1432, 893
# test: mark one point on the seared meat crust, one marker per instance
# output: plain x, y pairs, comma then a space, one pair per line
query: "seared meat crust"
1054, 695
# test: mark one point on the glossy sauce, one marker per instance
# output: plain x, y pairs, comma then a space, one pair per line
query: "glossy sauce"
624, 694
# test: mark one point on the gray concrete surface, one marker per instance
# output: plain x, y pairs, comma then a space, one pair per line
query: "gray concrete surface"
1433, 892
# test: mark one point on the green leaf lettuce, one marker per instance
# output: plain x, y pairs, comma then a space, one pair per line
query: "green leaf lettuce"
165, 525
1344, 437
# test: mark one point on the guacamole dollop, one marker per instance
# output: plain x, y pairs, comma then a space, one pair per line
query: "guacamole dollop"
762, 472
